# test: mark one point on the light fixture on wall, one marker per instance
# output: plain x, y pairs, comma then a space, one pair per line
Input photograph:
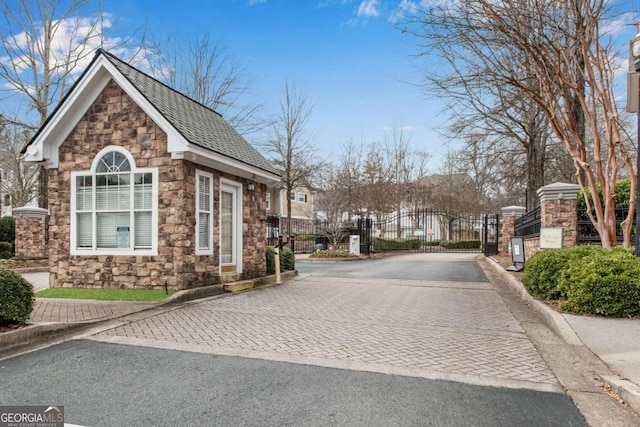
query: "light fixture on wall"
251, 187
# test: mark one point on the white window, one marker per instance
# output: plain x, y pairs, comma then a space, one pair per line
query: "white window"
302, 198
292, 196
204, 213
268, 199
114, 207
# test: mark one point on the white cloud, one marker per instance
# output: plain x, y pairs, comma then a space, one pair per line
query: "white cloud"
406, 7
369, 8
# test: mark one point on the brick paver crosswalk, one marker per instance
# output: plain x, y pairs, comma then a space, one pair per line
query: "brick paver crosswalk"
455, 328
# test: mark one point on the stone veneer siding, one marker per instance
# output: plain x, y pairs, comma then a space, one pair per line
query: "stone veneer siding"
115, 119
31, 243
561, 214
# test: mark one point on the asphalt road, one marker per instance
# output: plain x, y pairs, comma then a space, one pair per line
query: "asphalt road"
118, 384
103, 384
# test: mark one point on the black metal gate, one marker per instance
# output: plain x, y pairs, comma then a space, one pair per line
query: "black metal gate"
420, 230
491, 234
423, 230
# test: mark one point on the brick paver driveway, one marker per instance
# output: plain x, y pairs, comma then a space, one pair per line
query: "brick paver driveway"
440, 329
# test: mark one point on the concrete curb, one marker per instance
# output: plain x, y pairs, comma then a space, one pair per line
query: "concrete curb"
627, 390
33, 334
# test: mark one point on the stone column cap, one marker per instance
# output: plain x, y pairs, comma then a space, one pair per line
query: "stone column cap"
513, 211
558, 191
30, 212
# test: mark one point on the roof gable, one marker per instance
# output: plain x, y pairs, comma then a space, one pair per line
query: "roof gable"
194, 132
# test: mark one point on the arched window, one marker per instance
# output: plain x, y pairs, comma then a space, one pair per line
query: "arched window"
114, 206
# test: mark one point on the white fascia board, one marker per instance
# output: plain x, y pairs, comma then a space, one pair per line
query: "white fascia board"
45, 147
205, 157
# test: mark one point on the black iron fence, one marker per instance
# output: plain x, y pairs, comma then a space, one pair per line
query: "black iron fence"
587, 233
426, 230
529, 224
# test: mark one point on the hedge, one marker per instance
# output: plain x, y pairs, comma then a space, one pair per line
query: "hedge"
287, 260
383, 245
605, 282
460, 244
587, 279
543, 267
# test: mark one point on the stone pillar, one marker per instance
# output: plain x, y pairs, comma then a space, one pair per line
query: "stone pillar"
558, 204
509, 216
31, 233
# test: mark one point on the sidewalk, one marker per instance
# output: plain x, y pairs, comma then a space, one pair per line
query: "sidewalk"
615, 341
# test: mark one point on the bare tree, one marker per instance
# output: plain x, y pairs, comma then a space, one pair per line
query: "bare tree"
44, 46
348, 177
333, 202
203, 68
19, 180
554, 53
292, 153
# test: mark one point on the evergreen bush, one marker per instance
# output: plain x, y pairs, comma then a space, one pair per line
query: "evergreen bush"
6, 250
543, 267
16, 297
460, 244
384, 245
287, 260
605, 282
8, 231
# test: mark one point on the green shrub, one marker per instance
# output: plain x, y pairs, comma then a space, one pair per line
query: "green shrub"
287, 260
541, 270
16, 297
383, 245
460, 244
330, 253
605, 282
8, 229
271, 260
6, 250
431, 243
304, 237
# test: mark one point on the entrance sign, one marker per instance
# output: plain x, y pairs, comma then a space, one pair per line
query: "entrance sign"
550, 238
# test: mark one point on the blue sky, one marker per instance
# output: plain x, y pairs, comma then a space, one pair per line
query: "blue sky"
345, 56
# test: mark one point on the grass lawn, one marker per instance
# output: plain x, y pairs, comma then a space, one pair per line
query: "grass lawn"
105, 294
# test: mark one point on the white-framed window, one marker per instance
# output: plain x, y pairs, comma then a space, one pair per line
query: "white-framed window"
204, 213
302, 198
292, 196
114, 208
268, 200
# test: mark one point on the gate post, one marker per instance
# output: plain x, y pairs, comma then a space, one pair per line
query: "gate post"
509, 216
558, 204
31, 233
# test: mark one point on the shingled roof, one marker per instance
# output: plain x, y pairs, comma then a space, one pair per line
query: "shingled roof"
197, 123
194, 131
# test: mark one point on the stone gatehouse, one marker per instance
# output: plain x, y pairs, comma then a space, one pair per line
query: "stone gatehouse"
148, 188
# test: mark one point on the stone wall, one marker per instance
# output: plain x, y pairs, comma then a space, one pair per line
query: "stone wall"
31, 229
558, 204
115, 119
558, 208
509, 216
